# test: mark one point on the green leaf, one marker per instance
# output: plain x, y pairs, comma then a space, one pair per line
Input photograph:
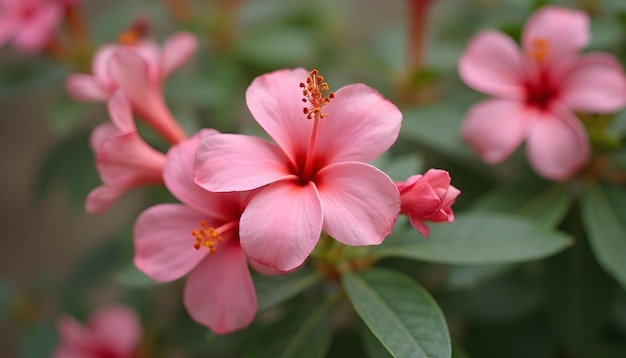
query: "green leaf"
273, 290
604, 217
305, 333
400, 313
373, 347
547, 207
480, 238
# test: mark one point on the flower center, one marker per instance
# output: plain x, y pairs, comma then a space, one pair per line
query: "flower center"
133, 35
314, 92
317, 95
209, 237
539, 49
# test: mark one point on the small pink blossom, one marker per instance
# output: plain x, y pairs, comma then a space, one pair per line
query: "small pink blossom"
316, 176
199, 238
29, 24
112, 331
123, 159
139, 71
428, 197
537, 89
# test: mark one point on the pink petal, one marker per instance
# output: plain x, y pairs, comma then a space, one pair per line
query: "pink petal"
102, 133
557, 145
73, 334
281, 225
101, 198
492, 64
234, 162
361, 125
37, 32
164, 245
275, 101
121, 113
494, 128
150, 52
8, 27
566, 32
595, 84
127, 157
178, 176
176, 51
419, 225
117, 328
360, 203
86, 88
130, 71
100, 66
219, 291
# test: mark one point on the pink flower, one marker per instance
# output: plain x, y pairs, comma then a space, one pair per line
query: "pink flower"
30, 23
316, 177
112, 331
199, 238
537, 89
139, 71
428, 197
123, 159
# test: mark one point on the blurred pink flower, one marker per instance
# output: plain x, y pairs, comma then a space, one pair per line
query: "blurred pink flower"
428, 197
29, 24
316, 177
123, 159
201, 238
139, 71
112, 331
537, 90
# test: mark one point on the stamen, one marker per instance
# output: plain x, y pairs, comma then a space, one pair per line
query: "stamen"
539, 50
135, 33
314, 92
206, 237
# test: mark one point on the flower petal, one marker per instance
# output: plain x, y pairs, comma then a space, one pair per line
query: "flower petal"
234, 162
360, 203
361, 125
281, 225
72, 333
493, 64
100, 66
494, 128
176, 51
102, 133
565, 32
121, 113
127, 157
116, 327
595, 84
557, 145
35, 35
178, 176
130, 71
275, 101
101, 198
219, 291
8, 27
164, 246
86, 88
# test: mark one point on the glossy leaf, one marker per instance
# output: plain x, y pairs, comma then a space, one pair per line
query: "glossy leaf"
273, 290
480, 238
400, 313
604, 217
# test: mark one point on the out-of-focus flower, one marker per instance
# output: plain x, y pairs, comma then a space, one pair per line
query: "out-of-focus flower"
139, 71
428, 197
123, 159
29, 24
201, 238
317, 173
112, 331
537, 89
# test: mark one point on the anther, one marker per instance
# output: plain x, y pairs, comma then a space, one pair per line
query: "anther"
314, 92
206, 237
539, 50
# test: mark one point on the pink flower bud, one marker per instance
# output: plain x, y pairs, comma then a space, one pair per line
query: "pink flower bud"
428, 197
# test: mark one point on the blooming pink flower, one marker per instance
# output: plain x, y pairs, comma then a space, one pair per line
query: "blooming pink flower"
139, 71
316, 177
428, 197
112, 331
30, 23
123, 159
199, 238
537, 89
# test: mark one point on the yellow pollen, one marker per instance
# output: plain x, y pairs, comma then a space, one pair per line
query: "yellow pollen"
129, 38
539, 49
206, 237
314, 92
